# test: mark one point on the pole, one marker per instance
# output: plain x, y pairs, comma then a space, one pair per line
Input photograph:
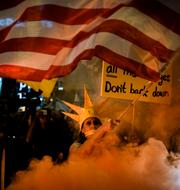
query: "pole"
3, 170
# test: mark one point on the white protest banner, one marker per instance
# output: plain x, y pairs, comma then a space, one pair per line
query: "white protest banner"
122, 84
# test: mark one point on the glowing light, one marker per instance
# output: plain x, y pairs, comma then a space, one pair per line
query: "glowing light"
6, 21
60, 88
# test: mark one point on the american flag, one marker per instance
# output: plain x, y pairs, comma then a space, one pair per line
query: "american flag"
47, 39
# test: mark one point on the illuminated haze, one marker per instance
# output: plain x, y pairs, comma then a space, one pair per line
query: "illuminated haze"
148, 166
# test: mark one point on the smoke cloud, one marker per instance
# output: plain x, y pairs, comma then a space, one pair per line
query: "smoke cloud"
144, 167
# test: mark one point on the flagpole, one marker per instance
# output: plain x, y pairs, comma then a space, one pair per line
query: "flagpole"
3, 169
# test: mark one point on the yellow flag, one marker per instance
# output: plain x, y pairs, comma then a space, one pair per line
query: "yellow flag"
46, 86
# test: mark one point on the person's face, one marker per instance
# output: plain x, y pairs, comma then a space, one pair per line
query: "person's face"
90, 124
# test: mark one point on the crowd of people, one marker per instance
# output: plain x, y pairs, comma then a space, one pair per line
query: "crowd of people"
28, 135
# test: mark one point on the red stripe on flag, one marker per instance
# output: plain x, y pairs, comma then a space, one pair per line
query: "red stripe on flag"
74, 16
110, 57
23, 73
101, 52
49, 13
156, 45
122, 29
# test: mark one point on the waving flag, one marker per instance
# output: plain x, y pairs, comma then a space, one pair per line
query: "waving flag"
46, 39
